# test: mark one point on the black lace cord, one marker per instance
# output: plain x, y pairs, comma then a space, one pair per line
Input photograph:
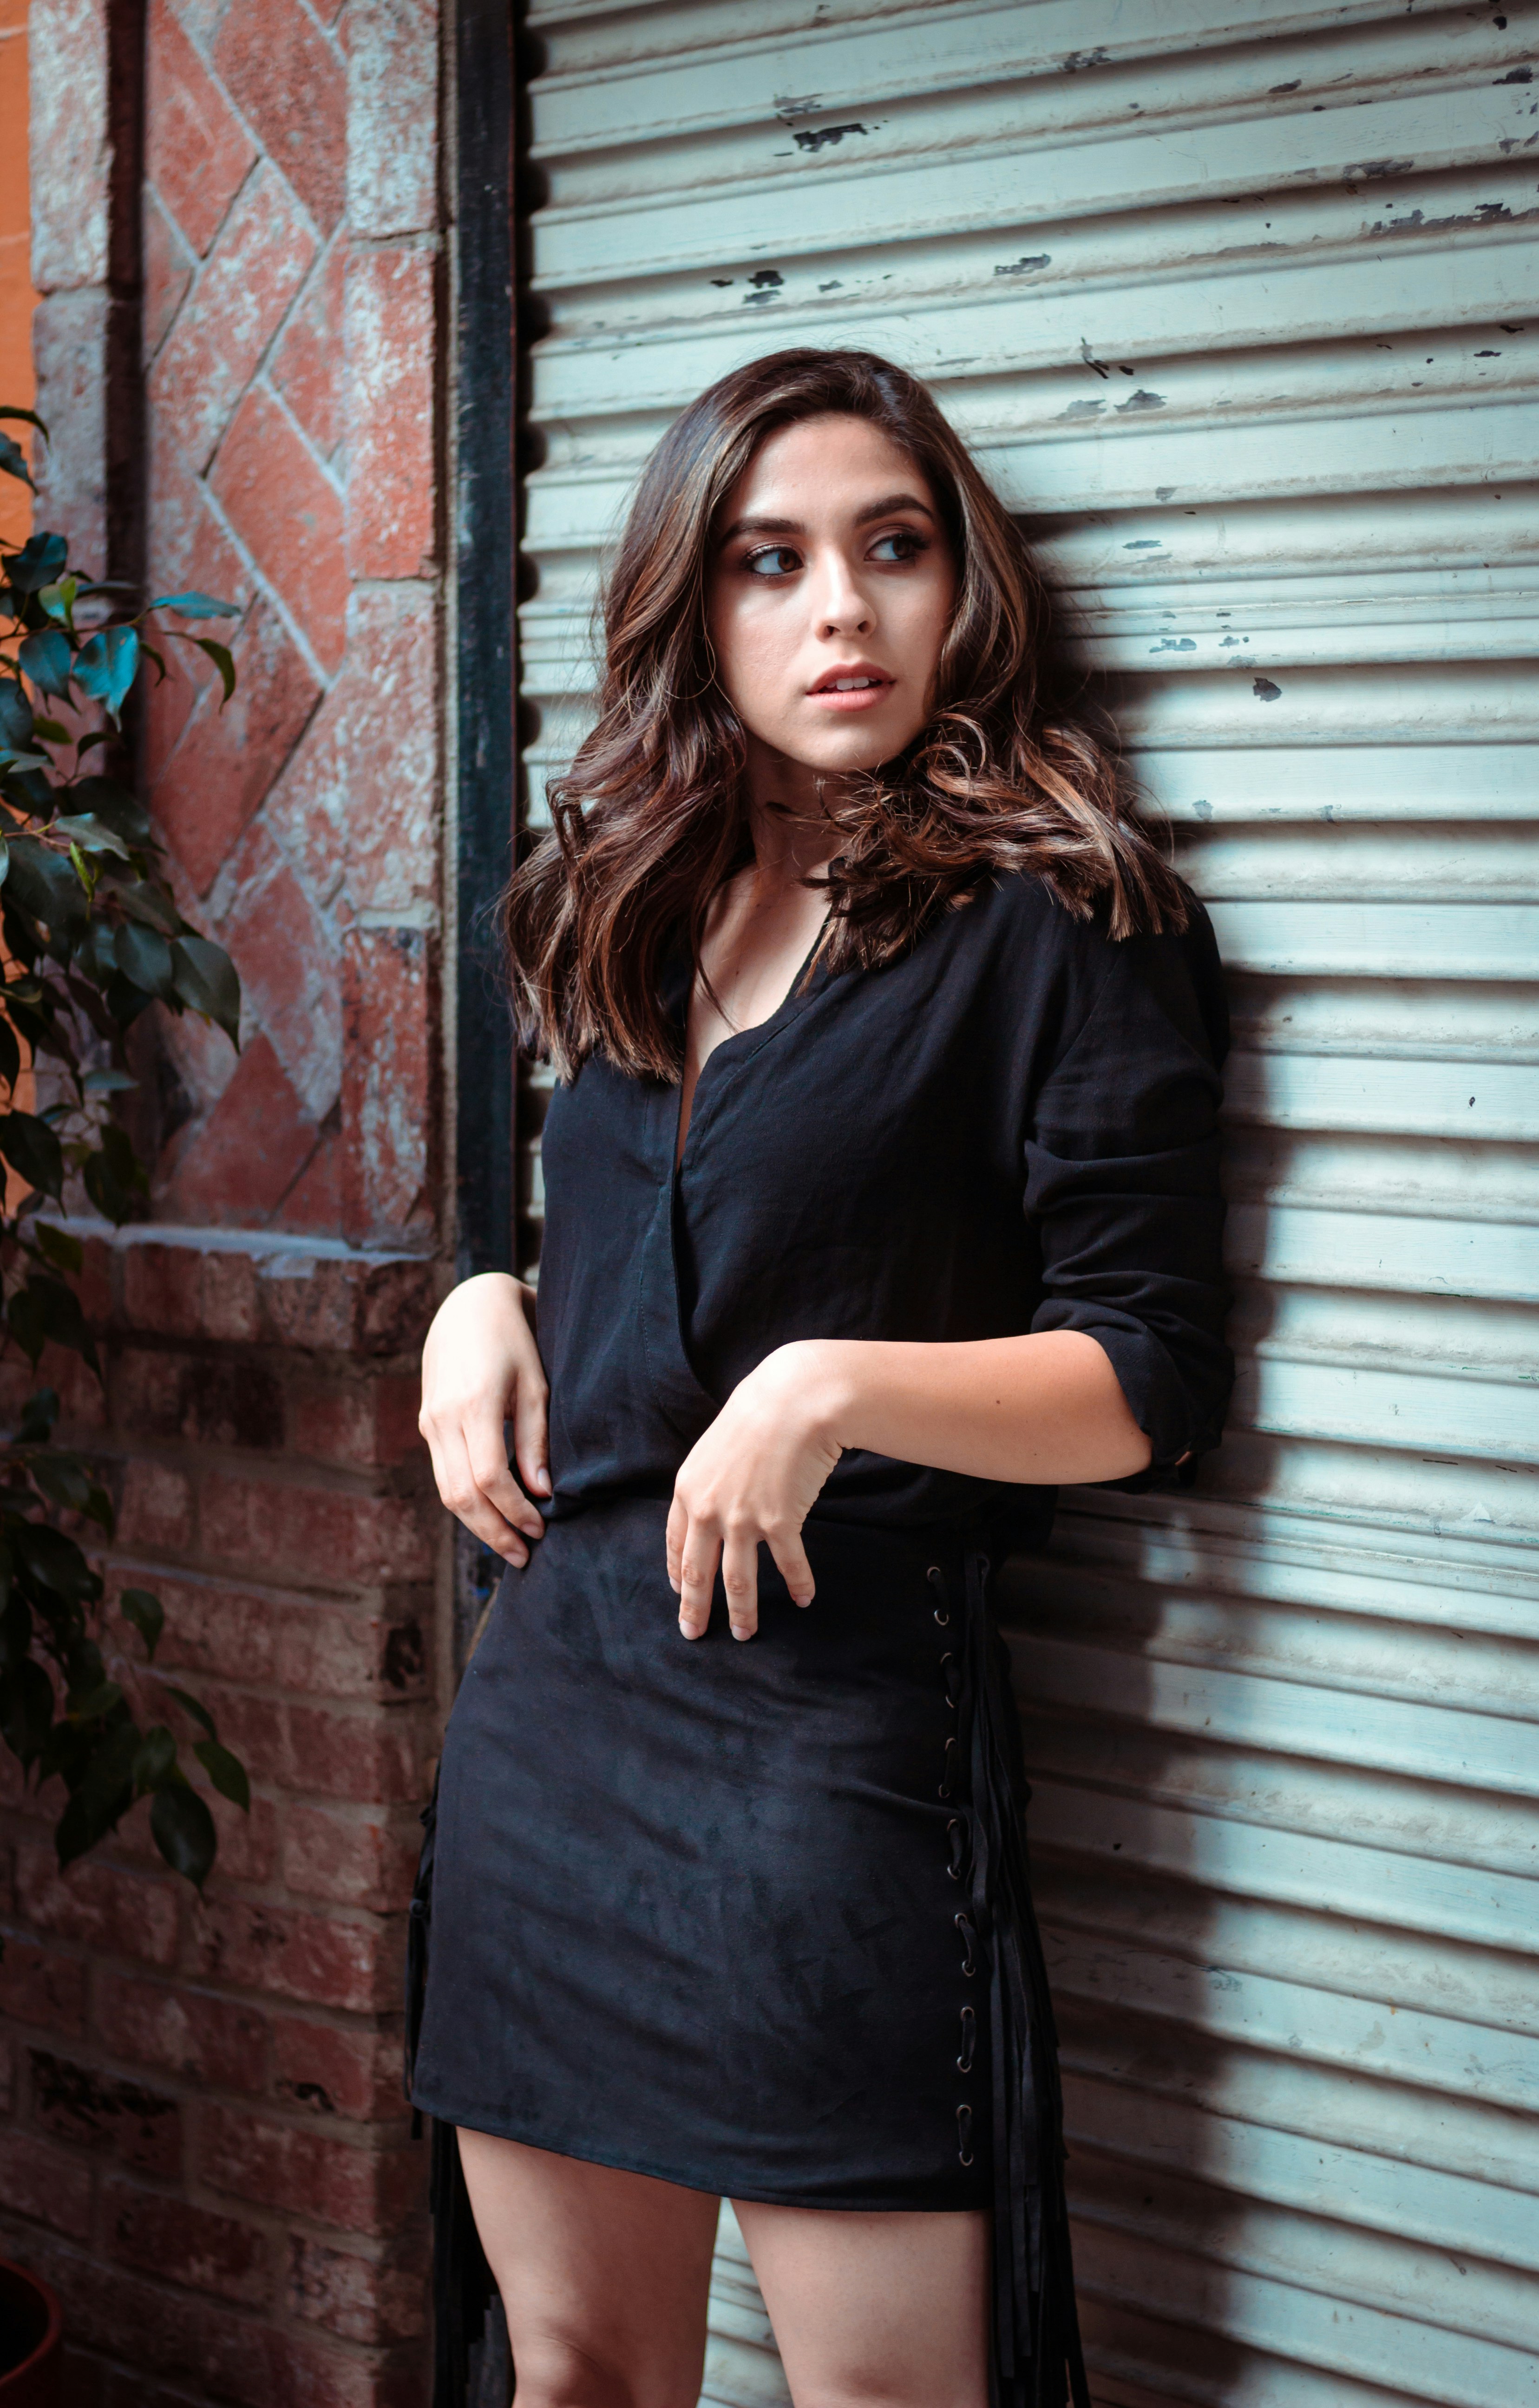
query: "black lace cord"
1038, 2362
462, 2286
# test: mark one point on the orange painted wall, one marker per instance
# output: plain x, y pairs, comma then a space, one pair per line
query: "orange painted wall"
17, 296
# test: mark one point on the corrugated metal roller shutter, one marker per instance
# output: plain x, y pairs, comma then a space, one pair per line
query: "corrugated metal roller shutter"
1233, 301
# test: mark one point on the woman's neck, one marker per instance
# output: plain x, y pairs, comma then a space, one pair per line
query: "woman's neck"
788, 818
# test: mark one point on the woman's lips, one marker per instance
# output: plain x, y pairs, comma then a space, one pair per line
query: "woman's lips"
859, 697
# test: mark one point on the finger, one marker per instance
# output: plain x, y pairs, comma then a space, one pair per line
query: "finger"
487, 1451
791, 1562
457, 1487
698, 1558
531, 1434
741, 1579
673, 1542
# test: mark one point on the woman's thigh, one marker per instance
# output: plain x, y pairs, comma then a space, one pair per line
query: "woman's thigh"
604, 2275
887, 2311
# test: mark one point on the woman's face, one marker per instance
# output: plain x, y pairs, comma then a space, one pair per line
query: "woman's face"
831, 587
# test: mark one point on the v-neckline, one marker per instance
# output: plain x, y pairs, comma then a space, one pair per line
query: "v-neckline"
763, 1029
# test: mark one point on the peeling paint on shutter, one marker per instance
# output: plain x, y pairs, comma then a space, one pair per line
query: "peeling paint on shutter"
1239, 303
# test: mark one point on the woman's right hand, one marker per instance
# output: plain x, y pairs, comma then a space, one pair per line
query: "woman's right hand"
480, 1368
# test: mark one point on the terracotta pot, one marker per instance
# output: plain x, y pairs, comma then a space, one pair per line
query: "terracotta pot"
31, 2342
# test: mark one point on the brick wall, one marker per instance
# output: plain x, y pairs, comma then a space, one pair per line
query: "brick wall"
202, 2140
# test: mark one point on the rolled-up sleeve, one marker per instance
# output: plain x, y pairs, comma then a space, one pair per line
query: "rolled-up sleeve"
1122, 1188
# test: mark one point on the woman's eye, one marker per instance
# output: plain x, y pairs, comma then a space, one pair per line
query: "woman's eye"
903, 544
778, 561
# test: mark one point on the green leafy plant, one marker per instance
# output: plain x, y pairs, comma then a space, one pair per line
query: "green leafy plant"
92, 936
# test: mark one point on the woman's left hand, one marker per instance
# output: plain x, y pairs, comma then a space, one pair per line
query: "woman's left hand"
755, 1474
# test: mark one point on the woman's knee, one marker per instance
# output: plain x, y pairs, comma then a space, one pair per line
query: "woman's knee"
556, 2370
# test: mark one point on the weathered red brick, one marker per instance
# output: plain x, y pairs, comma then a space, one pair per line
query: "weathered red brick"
189, 549
313, 1205
362, 2299
319, 1960
319, 1533
288, 513
363, 1862
392, 490
156, 1508
105, 2112
356, 1418
307, 366
210, 1627
362, 789
236, 1165
305, 2373
392, 75
42, 1985
288, 81
187, 1291
230, 755
113, 1910
303, 2172
257, 266
183, 2243
388, 1078
370, 1758
198, 152
168, 266
289, 971
220, 1399
352, 1652
351, 2070
46, 2184
350, 1304
216, 2041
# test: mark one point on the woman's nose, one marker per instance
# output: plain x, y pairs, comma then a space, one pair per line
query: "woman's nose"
842, 609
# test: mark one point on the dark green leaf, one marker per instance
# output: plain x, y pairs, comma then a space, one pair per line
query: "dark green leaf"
183, 1831
144, 1610
98, 1506
31, 417
13, 461
97, 1702
30, 1146
206, 982
219, 656
199, 1714
150, 907
95, 956
16, 719
15, 1633
102, 1779
65, 1252
89, 833
59, 601
111, 801
11, 1055
61, 1478
227, 1772
195, 606
46, 658
40, 561
144, 958
114, 1175
26, 1709
105, 665
39, 1416
85, 744
155, 1759
52, 731
45, 885
54, 1562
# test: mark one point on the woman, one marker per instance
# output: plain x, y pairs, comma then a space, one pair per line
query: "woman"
882, 1200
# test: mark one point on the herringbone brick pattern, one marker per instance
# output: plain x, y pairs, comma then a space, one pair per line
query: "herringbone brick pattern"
291, 279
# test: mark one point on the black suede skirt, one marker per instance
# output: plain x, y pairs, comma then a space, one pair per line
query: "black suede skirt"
748, 1917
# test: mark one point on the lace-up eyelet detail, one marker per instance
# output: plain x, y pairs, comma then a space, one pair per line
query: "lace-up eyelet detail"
970, 2040
970, 1962
937, 1580
951, 1673
948, 1778
957, 1840
964, 2136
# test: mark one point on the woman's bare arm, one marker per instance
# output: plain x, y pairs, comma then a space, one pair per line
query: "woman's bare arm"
1043, 1410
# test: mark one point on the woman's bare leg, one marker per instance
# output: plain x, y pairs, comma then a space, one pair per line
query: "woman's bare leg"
887, 2311
604, 2275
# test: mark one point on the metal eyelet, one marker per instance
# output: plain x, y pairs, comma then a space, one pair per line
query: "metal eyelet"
964, 2136
957, 1841
970, 2040
937, 1580
970, 1962
951, 1676
948, 1778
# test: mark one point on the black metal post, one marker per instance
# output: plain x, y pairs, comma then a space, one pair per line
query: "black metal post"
483, 554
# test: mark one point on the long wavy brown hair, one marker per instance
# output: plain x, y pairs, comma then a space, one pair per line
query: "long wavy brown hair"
652, 818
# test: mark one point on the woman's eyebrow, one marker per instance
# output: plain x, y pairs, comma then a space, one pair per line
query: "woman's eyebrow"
888, 503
